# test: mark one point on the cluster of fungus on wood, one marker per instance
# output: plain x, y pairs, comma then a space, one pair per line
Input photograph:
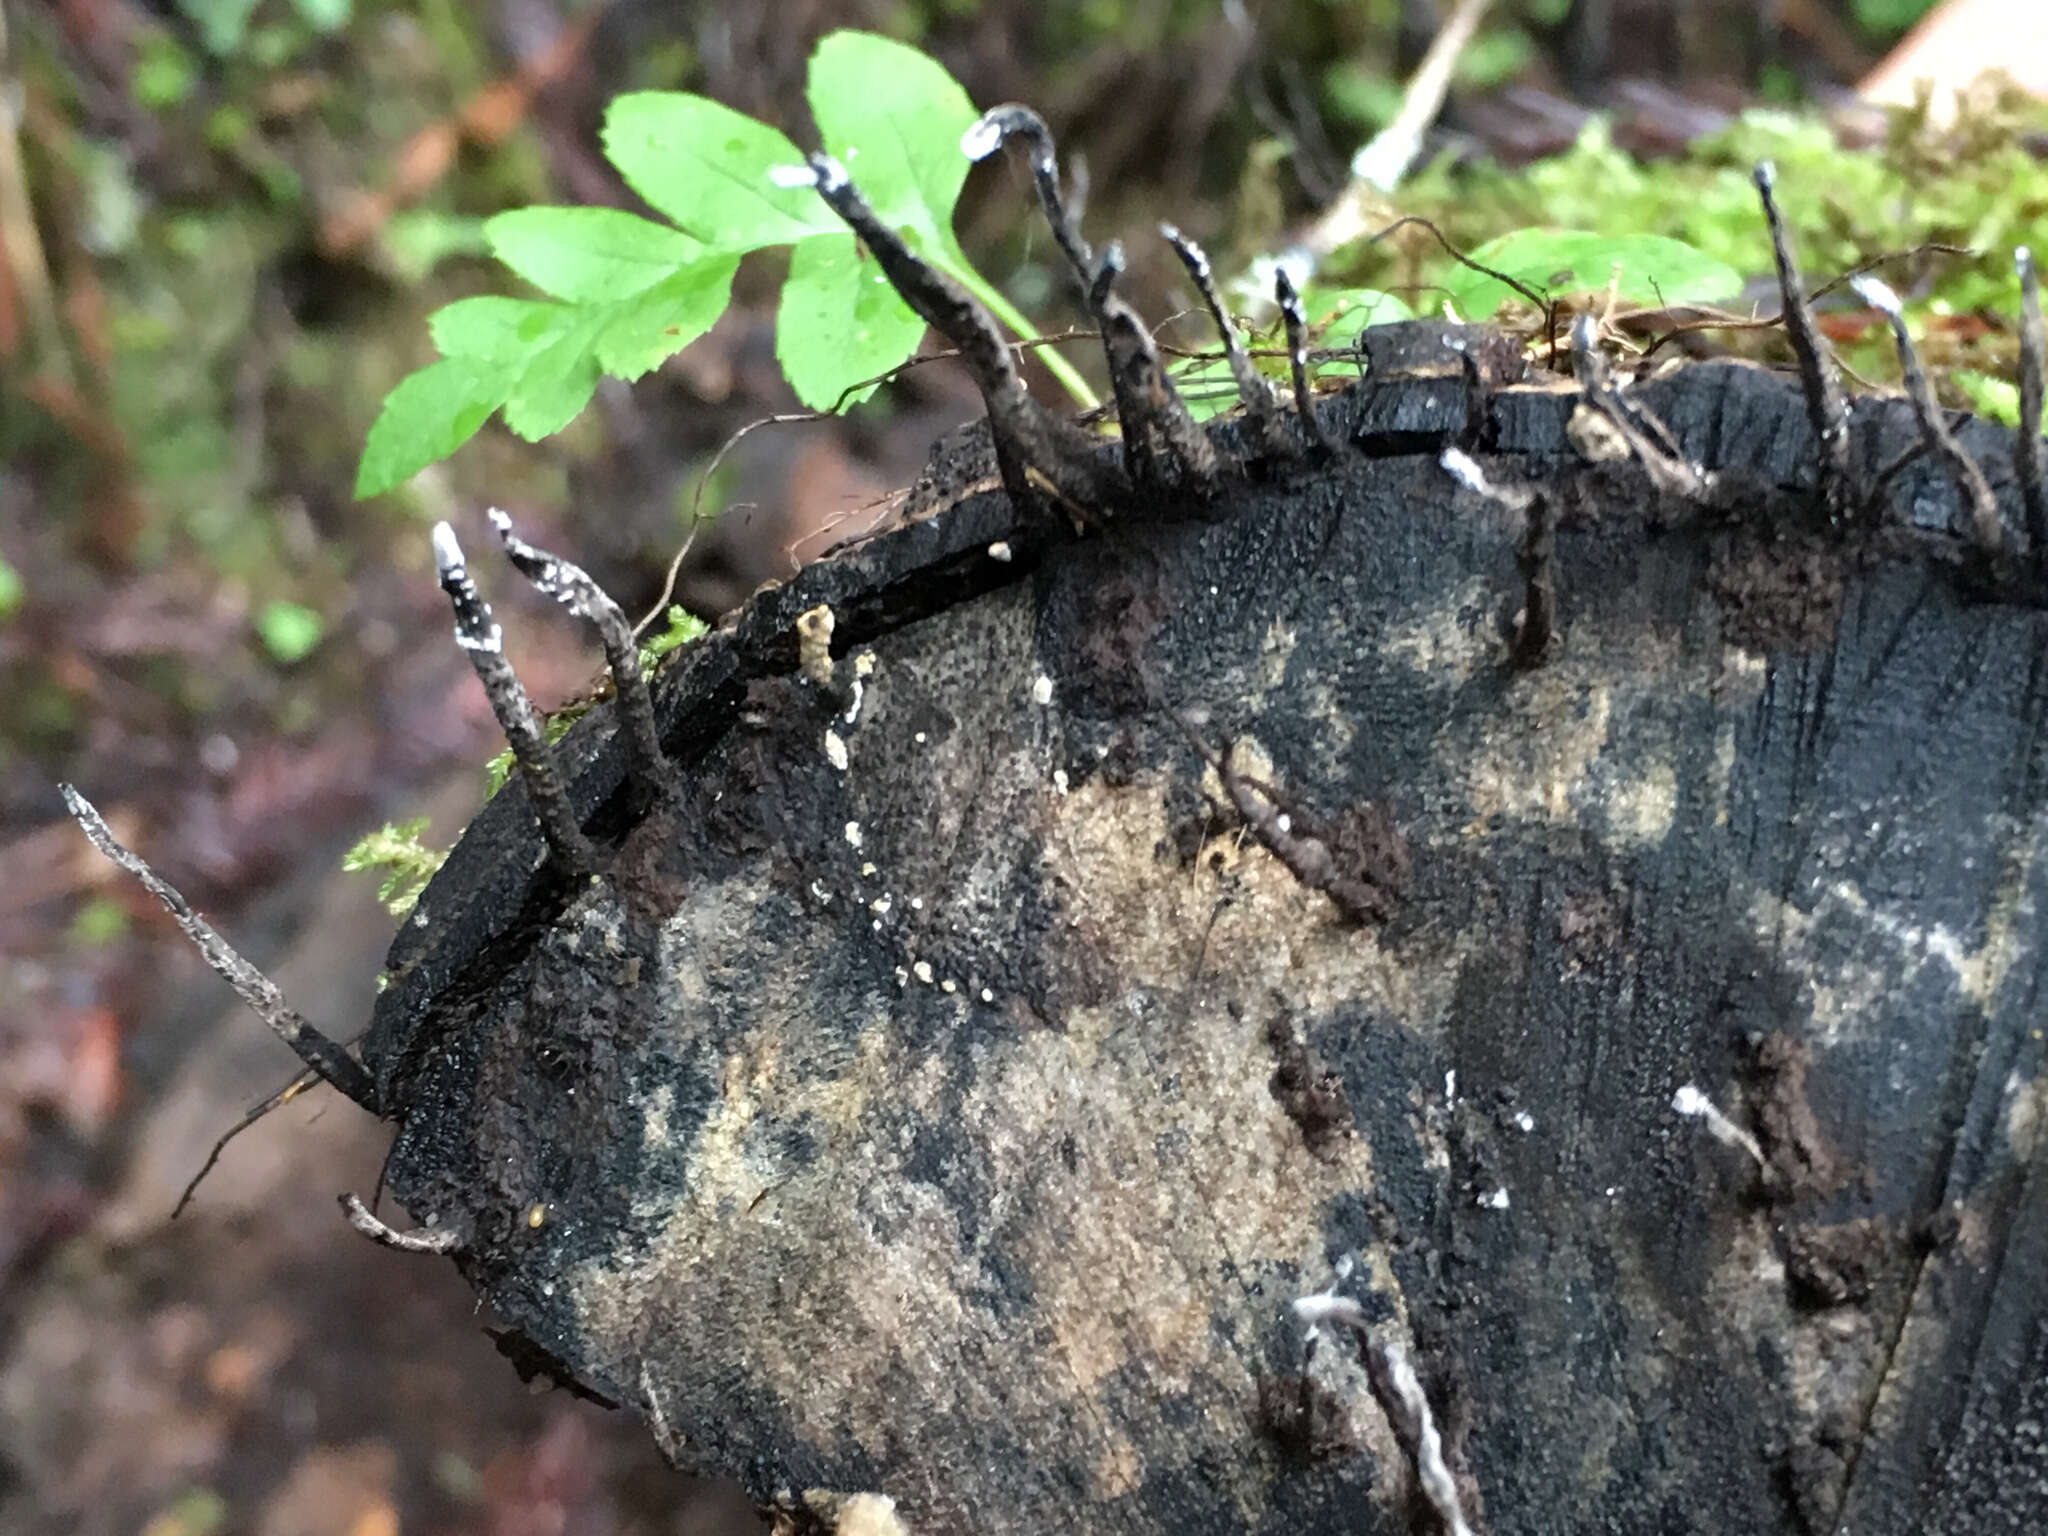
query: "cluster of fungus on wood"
1165, 464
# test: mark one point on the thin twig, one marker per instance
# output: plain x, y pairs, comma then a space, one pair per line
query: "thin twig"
277, 1100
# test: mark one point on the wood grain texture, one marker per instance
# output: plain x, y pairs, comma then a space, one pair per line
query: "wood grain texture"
962, 1124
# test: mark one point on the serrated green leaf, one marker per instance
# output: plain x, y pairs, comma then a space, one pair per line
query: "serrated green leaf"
706, 167
588, 255
496, 329
1652, 269
555, 383
431, 413
649, 328
840, 322
894, 117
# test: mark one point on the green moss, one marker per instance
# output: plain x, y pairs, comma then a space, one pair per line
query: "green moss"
405, 864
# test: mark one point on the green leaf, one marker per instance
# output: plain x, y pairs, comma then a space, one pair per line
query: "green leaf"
289, 631
555, 383
1654, 269
840, 321
431, 413
642, 333
706, 167
894, 117
1337, 315
12, 589
1992, 398
588, 254
496, 329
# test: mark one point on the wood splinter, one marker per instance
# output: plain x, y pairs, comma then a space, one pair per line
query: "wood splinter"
1827, 409
2026, 451
572, 587
424, 1240
1537, 628
1289, 300
477, 632
326, 1057
1971, 486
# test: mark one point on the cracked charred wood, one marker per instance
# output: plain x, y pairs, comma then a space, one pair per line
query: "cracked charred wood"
953, 1103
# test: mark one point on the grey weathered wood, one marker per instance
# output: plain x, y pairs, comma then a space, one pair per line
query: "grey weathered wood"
1016, 1240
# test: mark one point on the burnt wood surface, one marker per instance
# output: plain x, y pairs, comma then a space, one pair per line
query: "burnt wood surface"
963, 1123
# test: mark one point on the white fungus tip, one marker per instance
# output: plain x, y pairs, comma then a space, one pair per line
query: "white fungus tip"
1765, 175
2022, 259
499, 521
1327, 1307
447, 551
1464, 469
1877, 294
792, 176
983, 138
1690, 1101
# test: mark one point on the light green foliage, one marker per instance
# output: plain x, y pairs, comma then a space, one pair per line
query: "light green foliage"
405, 863
679, 627
98, 923
11, 589
289, 631
1993, 399
1842, 206
1651, 269
1889, 16
625, 292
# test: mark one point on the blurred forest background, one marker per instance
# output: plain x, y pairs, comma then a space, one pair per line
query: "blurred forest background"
222, 224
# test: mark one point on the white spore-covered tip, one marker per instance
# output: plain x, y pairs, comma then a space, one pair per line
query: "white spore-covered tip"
1464, 469
1877, 294
983, 139
1765, 175
791, 177
447, 552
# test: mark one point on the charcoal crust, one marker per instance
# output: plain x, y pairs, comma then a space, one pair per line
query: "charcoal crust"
912, 1125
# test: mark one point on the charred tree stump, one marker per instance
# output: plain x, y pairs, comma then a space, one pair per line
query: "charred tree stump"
1469, 966
949, 1090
